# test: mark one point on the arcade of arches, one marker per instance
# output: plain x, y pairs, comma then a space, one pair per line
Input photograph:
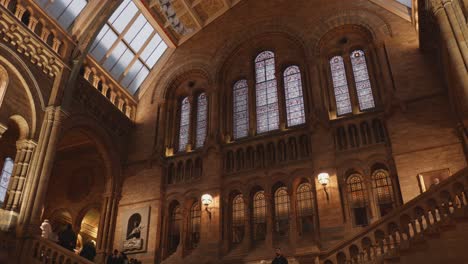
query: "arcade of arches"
214, 131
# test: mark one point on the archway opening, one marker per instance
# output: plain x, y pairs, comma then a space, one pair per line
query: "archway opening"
78, 181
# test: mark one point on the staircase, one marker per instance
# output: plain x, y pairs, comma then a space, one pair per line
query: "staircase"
432, 228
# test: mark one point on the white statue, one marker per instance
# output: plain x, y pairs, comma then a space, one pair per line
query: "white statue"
46, 230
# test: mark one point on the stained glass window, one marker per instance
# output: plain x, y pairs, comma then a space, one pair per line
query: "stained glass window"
266, 93
195, 220
184, 129
64, 11
174, 230
281, 211
5, 178
340, 86
202, 105
382, 186
240, 98
305, 208
259, 215
128, 46
294, 98
356, 191
361, 77
304, 200
238, 218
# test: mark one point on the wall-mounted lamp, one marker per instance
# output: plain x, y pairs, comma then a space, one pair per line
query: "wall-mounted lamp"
206, 201
324, 179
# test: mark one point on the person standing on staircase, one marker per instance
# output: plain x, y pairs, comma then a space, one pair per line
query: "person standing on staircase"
279, 259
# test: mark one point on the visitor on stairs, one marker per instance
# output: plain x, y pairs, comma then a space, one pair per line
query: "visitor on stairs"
279, 259
67, 238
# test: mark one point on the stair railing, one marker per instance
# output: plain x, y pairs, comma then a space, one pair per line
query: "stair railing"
405, 225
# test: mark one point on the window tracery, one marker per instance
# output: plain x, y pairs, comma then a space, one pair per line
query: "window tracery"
238, 219
382, 185
174, 230
202, 105
357, 199
184, 128
293, 95
362, 81
5, 178
240, 109
266, 93
195, 220
259, 216
305, 206
340, 86
282, 211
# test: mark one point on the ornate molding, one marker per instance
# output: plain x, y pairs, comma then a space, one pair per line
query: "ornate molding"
24, 42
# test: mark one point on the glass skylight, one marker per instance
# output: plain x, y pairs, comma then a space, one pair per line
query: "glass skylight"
405, 2
128, 46
64, 11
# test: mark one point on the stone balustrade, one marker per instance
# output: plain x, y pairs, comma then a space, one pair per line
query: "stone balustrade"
46, 251
405, 226
261, 152
41, 25
109, 88
351, 134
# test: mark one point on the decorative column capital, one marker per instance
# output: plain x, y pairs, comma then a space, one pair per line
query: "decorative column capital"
25, 144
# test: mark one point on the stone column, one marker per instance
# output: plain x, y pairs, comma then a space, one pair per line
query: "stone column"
105, 237
247, 240
269, 220
39, 173
452, 33
293, 225
24, 153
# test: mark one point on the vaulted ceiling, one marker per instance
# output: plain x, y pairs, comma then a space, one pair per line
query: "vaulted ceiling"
181, 19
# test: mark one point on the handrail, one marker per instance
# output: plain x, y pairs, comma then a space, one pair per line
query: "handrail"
46, 251
424, 211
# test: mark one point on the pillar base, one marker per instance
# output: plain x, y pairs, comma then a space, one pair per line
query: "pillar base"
8, 220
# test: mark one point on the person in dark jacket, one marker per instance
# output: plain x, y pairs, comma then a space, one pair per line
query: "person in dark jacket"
67, 238
113, 258
279, 259
89, 251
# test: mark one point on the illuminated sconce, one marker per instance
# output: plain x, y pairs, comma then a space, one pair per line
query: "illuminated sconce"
324, 179
206, 201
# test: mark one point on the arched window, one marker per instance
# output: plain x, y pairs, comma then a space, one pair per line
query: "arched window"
361, 78
184, 128
259, 216
174, 228
202, 105
64, 11
383, 190
238, 219
240, 98
357, 199
293, 94
282, 211
340, 86
195, 221
266, 92
5, 178
305, 208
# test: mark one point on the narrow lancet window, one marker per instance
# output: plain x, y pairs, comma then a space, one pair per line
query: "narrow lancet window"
184, 124
361, 78
5, 178
266, 93
202, 105
340, 86
294, 97
240, 102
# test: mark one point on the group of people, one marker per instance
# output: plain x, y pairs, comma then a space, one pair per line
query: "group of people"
120, 258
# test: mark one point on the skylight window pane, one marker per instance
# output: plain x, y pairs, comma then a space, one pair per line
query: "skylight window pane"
142, 37
71, 13
152, 45
125, 17
156, 54
138, 80
104, 45
115, 55
122, 64
118, 11
56, 8
134, 70
135, 28
126, 34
